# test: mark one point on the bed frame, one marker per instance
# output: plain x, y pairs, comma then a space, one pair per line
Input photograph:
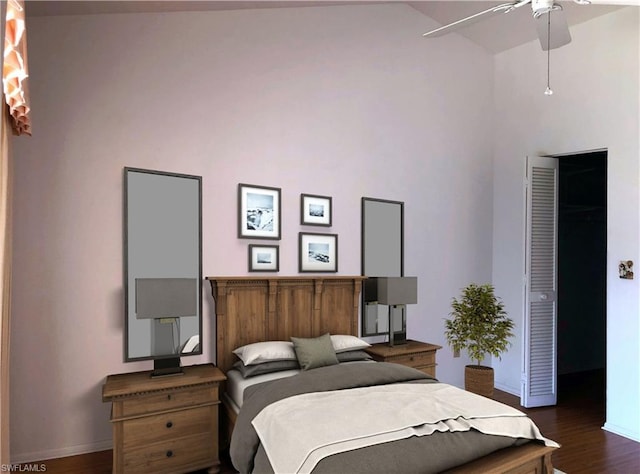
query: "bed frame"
255, 309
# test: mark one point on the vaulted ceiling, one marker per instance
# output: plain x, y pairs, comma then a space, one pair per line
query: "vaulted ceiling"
495, 34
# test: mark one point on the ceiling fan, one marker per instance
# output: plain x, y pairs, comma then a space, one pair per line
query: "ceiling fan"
551, 23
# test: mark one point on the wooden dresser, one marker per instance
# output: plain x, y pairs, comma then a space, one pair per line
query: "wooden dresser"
165, 424
416, 354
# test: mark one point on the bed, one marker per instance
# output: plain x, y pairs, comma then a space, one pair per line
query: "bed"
253, 310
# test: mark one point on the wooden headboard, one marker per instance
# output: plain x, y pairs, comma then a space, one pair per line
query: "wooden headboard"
256, 309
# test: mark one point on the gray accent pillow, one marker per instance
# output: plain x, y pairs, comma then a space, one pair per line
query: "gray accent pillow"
352, 356
265, 368
314, 352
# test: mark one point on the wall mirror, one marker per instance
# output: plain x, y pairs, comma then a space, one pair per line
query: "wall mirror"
382, 249
162, 266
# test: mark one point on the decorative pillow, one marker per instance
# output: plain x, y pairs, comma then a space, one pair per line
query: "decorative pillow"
314, 352
265, 368
343, 343
260, 352
352, 356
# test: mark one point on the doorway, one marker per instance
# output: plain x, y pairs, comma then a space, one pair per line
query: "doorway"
582, 255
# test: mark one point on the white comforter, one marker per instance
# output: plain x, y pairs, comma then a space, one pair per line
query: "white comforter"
299, 431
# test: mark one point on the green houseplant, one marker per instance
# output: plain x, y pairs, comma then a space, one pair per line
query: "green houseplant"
480, 325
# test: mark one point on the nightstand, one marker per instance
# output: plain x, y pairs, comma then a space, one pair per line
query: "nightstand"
416, 354
165, 424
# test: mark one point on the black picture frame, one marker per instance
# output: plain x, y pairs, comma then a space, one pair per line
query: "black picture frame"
316, 210
259, 212
264, 258
317, 253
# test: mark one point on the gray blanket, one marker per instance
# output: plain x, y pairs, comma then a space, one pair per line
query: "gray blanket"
426, 454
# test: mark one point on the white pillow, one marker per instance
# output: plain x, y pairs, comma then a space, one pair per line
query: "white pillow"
344, 343
259, 352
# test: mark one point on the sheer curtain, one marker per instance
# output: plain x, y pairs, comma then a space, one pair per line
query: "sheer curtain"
15, 117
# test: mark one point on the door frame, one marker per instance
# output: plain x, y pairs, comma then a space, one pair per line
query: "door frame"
526, 293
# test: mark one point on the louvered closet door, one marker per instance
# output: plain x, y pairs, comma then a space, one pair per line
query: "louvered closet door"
540, 378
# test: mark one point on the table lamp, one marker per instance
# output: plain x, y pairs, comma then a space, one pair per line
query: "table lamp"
397, 292
166, 300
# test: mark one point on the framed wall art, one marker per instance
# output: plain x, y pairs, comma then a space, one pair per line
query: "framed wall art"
315, 210
258, 212
317, 252
264, 258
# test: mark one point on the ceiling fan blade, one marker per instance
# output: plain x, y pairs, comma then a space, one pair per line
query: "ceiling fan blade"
559, 34
483, 15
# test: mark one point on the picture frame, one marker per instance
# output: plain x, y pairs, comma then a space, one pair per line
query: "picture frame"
315, 210
264, 258
317, 252
258, 212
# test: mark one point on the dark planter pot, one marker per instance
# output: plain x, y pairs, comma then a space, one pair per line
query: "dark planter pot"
479, 379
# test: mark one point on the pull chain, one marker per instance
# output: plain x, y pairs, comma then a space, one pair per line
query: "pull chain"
548, 90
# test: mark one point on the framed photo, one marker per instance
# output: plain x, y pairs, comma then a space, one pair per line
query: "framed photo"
264, 258
258, 212
315, 210
318, 252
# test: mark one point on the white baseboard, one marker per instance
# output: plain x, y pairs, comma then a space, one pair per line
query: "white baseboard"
622, 432
62, 452
513, 391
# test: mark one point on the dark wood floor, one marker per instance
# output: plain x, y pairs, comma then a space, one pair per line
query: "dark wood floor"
576, 423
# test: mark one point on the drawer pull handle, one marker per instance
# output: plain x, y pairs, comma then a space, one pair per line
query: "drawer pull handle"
169, 424
169, 397
169, 453
411, 358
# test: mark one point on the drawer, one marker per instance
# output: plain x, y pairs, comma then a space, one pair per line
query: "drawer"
417, 359
429, 370
179, 455
166, 400
178, 424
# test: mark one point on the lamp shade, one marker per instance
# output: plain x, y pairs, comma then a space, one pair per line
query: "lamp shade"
166, 297
397, 290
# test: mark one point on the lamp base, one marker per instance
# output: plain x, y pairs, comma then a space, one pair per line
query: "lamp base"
164, 367
397, 338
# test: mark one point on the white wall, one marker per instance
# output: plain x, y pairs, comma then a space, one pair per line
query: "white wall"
339, 101
596, 105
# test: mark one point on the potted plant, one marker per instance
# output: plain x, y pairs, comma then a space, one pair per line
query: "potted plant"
479, 325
